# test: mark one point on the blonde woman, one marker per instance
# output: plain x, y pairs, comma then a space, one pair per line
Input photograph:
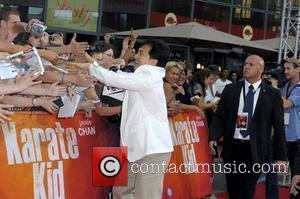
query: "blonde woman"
171, 88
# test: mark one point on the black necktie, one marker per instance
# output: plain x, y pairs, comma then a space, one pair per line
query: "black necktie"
248, 108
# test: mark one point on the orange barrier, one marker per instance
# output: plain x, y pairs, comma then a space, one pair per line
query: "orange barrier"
49, 158
189, 133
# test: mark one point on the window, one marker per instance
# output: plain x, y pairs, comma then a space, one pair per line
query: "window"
35, 13
259, 4
126, 6
243, 17
123, 21
212, 15
275, 5
248, 17
273, 26
295, 3
179, 7
35, 3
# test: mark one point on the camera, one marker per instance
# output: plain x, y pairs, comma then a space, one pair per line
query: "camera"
127, 68
275, 71
37, 29
58, 102
93, 48
114, 68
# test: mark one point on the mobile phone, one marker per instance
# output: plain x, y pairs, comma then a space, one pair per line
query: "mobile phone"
195, 97
58, 102
174, 87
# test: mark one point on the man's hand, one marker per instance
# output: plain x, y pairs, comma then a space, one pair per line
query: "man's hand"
57, 39
295, 188
27, 80
133, 38
126, 43
179, 89
84, 79
287, 103
46, 103
83, 58
4, 114
212, 145
71, 92
56, 90
118, 62
49, 55
87, 105
77, 47
30, 23
173, 108
108, 62
199, 111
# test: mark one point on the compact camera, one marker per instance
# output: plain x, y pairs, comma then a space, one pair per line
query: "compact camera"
127, 68
37, 29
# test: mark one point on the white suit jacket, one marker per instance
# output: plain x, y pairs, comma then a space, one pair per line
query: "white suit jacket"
144, 123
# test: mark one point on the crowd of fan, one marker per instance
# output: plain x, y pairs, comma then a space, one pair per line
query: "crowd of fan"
66, 66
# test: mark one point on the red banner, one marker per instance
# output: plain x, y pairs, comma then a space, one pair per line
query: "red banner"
188, 175
45, 157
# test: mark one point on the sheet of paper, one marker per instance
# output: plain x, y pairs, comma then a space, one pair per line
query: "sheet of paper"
70, 106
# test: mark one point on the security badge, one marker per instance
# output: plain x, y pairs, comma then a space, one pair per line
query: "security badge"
242, 121
286, 118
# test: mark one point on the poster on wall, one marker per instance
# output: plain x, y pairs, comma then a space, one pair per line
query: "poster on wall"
76, 15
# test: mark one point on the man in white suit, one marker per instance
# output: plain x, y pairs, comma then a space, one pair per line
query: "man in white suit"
144, 124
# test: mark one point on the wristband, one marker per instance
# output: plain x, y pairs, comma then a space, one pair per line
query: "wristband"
32, 100
61, 80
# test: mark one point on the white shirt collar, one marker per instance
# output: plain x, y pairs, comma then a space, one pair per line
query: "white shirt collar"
255, 85
161, 72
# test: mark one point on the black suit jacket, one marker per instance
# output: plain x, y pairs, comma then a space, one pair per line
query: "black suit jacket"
268, 113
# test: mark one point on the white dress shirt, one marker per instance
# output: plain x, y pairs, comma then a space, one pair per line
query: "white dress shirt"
210, 93
220, 85
144, 123
256, 85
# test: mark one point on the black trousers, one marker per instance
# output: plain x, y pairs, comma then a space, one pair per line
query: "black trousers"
292, 149
272, 190
293, 154
295, 197
241, 184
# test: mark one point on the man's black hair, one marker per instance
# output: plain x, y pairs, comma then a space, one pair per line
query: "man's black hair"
159, 50
22, 39
6, 11
99, 47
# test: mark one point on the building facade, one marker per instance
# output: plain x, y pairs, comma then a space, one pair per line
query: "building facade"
230, 16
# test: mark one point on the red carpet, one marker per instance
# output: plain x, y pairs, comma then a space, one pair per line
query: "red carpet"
260, 193
284, 192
